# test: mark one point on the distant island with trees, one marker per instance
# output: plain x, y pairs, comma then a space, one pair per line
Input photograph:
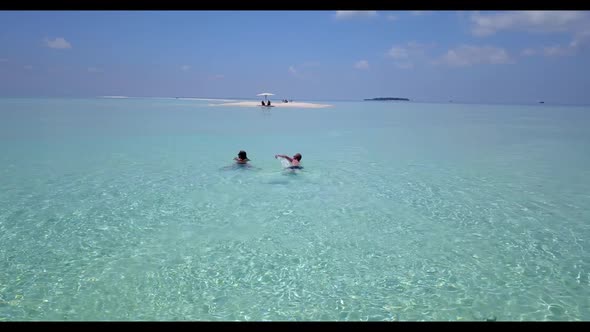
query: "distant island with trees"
387, 98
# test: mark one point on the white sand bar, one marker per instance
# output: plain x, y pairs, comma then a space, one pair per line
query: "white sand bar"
276, 105
205, 99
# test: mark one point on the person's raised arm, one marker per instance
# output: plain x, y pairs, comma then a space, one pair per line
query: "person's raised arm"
283, 156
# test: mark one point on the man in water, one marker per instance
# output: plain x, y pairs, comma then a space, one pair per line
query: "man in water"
242, 158
293, 161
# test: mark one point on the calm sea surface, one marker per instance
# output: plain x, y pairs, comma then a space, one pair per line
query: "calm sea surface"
130, 209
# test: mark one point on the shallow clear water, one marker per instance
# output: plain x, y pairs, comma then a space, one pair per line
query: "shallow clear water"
126, 209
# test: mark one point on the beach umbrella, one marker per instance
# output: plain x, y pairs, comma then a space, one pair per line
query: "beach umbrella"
265, 94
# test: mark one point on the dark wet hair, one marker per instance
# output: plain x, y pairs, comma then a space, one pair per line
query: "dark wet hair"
297, 156
242, 154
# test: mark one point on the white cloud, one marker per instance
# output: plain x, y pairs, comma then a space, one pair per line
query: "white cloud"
550, 51
398, 52
345, 14
575, 23
391, 17
310, 64
557, 50
580, 40
534, 21
362, 64
420, 12
410, 49
581, 37
472, 55
94, 70
28, 67
405, 55
185, 67
59, 43
528, 52
404, 65
302, 69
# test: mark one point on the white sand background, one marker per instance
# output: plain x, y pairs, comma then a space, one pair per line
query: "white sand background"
275, 104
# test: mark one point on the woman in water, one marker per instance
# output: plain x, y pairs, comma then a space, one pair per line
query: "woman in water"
293, 161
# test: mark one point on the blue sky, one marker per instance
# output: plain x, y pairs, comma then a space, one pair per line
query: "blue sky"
520, 56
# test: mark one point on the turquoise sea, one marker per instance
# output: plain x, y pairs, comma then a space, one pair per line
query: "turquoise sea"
129, 210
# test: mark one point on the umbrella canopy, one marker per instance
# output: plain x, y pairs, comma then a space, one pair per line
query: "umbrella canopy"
265, 94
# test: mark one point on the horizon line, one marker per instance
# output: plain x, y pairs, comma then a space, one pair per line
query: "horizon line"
436, 101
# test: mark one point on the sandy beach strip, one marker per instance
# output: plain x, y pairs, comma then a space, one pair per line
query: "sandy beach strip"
276, 105
206, 99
